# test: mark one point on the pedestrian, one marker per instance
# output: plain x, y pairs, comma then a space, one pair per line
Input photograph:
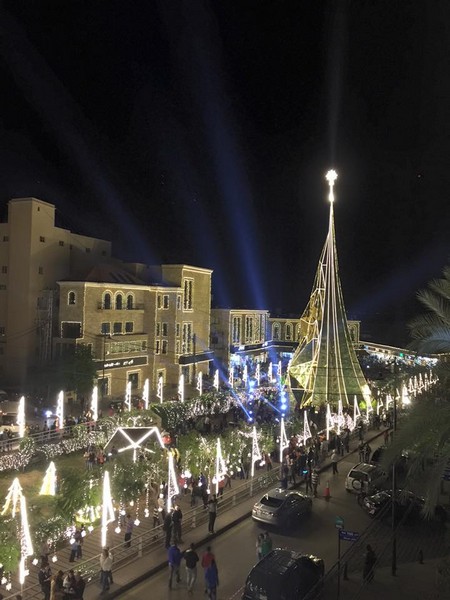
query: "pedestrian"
78, 536
167, 528
259, 541
45, 576
334, 461
212, 580
177, 517
174, 559
347, 441
308, 482
212, 512
191, 558
370, 559
367, 452
68, 583
361, 450
79, 586
106, 562
315, 480
73, 550
129, 524
266, 545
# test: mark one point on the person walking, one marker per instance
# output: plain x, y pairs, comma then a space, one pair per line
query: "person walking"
174, 559
370, 560
177, 517
334, 461
266, 545
167, 528
129, 524
45, 577
191, 558
315, 480
106, 562
212, 512
212, 580
259, 542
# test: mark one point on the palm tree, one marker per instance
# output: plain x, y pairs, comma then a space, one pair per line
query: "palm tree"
425, 434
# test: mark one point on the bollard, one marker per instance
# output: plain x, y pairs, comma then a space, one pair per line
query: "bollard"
420, 557
327, 494
345, 575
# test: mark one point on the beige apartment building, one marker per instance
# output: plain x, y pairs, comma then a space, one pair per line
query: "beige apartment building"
58, 289
34, 255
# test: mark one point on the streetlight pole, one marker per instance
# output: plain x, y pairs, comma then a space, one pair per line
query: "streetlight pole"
394, 477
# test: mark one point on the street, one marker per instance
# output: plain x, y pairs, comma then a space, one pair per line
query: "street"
235, 550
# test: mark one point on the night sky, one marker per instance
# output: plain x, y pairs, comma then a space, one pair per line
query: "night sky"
200, 132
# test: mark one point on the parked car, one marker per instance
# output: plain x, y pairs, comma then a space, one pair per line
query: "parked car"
285, 575
365, 478
281, 507
407, 505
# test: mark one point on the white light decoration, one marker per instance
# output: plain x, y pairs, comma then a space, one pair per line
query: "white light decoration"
160, 389
138, 445
200, 383
245, 374
340, 417
181, 387
220, 465
356, 411
405, 397
108, 514
48, 487
231, 376
146, 393
128, 395
283, 439
270, 373
306, 429
216, 380
329, 420
279, 372
16, 500
172, 485
94, 403
258, 374
21, 417
256, 453
60, 409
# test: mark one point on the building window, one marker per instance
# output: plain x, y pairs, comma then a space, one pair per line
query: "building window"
105, 328
117, 327
61, 243
71, 298
6, 238
165, 329
4, 269
165, 301
41, 270
186, 341
157, 346
288, 331
158, 301
188, 292
248, 329
158, 329
133, 378
107, 301
87, 250
236, 333
71, 330
177, 347
119, 302
178, 302
130, 302
276, 331
177, 330
41, 238
129, 326
164, 347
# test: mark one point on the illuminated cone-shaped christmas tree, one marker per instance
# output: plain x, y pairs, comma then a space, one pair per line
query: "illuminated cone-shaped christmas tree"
270, 373
200, 383
60, 410
221, 467
94, 403
325, 367
256, 453
128, 395
108, 514
258, 374
329, 421
172, 484
216, 380
160, 389
48, 487
21, 417
15, 501
146, 393
283, 439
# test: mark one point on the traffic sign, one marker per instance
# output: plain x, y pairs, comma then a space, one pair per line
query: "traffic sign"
339, 522
348, 536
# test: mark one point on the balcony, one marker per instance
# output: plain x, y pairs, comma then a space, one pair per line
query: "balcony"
101, 306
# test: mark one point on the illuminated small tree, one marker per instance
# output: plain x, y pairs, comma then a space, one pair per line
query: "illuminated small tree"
146, 393
200, 383
48, 487
160, 389
21, 417
181, 388
94, 403
172, 484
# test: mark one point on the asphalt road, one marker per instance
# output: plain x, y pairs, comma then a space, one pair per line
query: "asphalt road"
235, 550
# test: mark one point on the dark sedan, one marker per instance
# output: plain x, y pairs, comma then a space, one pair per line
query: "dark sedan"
282, 508
407, 505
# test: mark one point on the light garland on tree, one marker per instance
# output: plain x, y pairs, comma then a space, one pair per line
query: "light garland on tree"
146, 393
172, 484
108, 514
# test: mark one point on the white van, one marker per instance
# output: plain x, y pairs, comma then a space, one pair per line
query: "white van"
364, 478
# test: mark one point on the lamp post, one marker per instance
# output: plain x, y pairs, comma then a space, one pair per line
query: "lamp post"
394, 477
105, 337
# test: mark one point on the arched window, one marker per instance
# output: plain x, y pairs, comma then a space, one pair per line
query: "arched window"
119, 302
71, 298
130, 302
107, 301
276, 331
288, 331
